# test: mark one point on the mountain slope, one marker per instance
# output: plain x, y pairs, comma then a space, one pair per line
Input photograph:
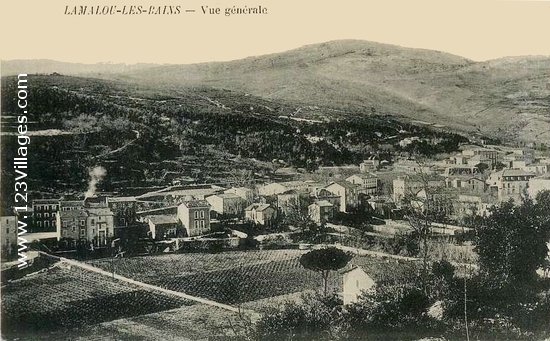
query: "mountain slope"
507, 97
47, 66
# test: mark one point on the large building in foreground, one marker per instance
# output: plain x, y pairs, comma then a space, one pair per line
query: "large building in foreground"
195, 217
92, 222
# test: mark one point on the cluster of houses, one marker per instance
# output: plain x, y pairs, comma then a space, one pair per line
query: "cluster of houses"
474, 180
467, 183
188, 211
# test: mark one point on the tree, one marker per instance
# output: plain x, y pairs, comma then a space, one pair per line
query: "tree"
430, 204
324, 261
511, 244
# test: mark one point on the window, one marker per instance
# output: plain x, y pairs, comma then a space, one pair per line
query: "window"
53, 215
39, 224
196, 224
202, 224
38, 215
82, 232
64, 233
46, 224
74, 229
196, 214
93, 221
7, 230
82, 222
46, 215
65, 224
202, 214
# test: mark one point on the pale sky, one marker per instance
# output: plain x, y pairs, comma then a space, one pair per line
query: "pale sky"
479, 30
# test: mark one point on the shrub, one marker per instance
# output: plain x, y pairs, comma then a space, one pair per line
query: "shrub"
398, 307
316, 317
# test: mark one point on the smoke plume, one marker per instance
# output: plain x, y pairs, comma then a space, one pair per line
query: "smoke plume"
96, 174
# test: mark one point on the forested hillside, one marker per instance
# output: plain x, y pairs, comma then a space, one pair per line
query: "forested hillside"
142, 134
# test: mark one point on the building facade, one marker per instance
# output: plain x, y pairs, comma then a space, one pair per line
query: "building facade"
355, 282
262, 214
321, 211
513, 184
227, 203
44, 213
369, 182
195, 217
348, 193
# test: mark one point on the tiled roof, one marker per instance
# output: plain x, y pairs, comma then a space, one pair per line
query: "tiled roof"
367, 175
323, 203
196, 203
45, 201
99, 211
516, 172
73, 213
163, 219
257, 207
66, 203
227, 196
343, 183
121, 199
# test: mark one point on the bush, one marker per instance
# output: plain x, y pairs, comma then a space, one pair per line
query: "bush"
399, 307
315, 318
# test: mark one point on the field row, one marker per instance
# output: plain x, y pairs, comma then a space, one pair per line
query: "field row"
71, 297
238, 277
152, 267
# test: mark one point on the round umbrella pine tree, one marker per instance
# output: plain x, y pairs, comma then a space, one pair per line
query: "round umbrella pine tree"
324, 261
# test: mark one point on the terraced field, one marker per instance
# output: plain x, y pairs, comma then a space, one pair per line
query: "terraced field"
69, 297
237, 277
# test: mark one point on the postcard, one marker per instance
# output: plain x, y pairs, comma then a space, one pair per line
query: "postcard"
275, 170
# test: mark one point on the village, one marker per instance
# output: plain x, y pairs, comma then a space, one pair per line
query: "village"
205, 216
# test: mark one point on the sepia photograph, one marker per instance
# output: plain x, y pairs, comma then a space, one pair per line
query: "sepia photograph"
275, 171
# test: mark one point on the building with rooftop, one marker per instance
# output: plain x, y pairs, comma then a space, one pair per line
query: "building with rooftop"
410, 185
124, 210
44, 213
163, 226
262, 214
348, 193
227, 204
368, 181
321, 211
91, 224
513, 184
195, 217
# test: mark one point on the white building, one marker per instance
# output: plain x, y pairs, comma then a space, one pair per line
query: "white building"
244, 192
355, 282
260, 213
368, 182
513, 184
537, 184
226, 203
